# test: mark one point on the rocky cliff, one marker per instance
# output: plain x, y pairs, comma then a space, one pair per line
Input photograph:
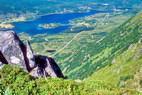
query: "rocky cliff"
14, 52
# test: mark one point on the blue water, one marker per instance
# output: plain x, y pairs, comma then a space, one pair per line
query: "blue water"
31, 27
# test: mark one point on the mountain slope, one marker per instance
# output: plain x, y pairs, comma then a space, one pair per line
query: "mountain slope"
96, 55
13, 80
126, 69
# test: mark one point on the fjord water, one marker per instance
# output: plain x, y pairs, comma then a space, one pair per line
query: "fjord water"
31, 27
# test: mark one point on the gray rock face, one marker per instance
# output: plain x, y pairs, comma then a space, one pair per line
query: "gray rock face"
14, 52
2, 60
46, 67
11, 48
30, 55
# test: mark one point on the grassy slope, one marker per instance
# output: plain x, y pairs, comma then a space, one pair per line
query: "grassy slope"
14, 81
102, 53
125, 70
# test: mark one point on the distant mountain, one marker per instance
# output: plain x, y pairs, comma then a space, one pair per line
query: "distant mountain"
100, 54
114, 2
22, 7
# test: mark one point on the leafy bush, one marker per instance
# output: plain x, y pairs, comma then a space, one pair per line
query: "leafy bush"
15, 81
127, 77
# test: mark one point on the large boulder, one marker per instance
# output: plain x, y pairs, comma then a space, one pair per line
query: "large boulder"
46, 67
30, 55
2, 59
14, 52
11, 48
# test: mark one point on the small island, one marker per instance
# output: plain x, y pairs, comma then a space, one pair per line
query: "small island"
50, 26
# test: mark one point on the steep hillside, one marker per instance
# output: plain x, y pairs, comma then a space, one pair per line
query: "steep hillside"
97, 55
125, 70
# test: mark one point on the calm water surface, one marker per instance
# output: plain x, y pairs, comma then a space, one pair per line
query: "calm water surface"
31, 27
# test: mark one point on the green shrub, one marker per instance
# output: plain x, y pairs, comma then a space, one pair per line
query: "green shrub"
127, 77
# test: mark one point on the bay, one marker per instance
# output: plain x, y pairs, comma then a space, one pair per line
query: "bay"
31, 27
